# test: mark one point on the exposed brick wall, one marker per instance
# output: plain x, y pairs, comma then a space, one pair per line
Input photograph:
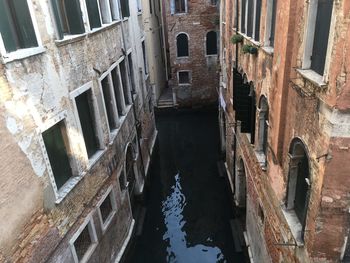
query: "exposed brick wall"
200, 19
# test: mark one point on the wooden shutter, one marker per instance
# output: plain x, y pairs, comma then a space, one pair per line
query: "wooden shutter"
323, 22
6, 27
243, 9
250, 18
87, 122
273, 23
94, 14
74, 17
257, 20
23, 23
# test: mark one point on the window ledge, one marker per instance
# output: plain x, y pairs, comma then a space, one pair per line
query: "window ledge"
211, 55
94, 159
139, 13
180, 14
22, 53
184, 84
250, 39
69, 39
105, 225
294, 225
268, 50
103, 27
88, 253
67, 187
261, 159
313, 77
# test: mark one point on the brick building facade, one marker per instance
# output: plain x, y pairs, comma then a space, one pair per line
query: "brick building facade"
77, 128
193, 46
285, 122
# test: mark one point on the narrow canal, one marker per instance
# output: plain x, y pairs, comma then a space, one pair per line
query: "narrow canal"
188, 205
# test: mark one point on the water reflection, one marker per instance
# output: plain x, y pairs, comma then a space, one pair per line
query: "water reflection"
178, 249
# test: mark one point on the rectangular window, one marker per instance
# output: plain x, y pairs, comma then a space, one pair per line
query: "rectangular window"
150, 7
107, 208
105, 11
57, 148
118, 92
144, 57
84, 242
184, 77
273, 23
93, 13
68, 17
321, 35
109, 103
257, 20
87, 121
16, 26
243, 15
270, 23
114, 4
213, 2
180, 6
125, 8
250, 18
131, 70
139, 6
124, 78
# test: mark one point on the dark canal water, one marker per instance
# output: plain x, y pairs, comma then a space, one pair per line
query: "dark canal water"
188, 204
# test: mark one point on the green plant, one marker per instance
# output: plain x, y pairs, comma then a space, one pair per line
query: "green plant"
236, 39
249, 49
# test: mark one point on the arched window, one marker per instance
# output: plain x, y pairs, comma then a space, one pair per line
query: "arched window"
182, 45
263, 125
298, 182
212, 48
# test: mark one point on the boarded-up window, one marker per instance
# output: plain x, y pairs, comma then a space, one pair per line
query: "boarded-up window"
87, 121
184, 77
125, 8
68, 17
56, 144
180, 6
182, 45
16, 25
211, 43
94, 14
322, 27
109, 102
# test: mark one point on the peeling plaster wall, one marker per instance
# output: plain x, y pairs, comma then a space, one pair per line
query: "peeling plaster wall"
34, 91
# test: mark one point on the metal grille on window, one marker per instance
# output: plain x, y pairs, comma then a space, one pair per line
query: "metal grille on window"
82, 243
180, 6
106, 208
184, 77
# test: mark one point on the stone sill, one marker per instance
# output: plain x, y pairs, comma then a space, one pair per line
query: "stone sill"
22, 53
67, 187
94, 159
261, 159
313, 77
268, 50
250, 39
114, 133
294, 225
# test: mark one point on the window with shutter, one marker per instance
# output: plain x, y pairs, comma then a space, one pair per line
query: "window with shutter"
243, 15
87, 121
93, 13
56, 145
257, 20
322, 28
124, 78
16, 26
250, 18
109, 102
68, 17
124, 4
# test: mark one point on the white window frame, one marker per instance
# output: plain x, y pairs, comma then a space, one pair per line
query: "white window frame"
172, 8
108, 75
61, 193
309, 42
268, 24
24, 52
189, 77
75, 93
110, 193
94, 241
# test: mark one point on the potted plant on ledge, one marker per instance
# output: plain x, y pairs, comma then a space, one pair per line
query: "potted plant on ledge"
250, 49
236, 39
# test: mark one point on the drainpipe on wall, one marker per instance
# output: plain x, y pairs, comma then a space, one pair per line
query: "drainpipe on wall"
136, 121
